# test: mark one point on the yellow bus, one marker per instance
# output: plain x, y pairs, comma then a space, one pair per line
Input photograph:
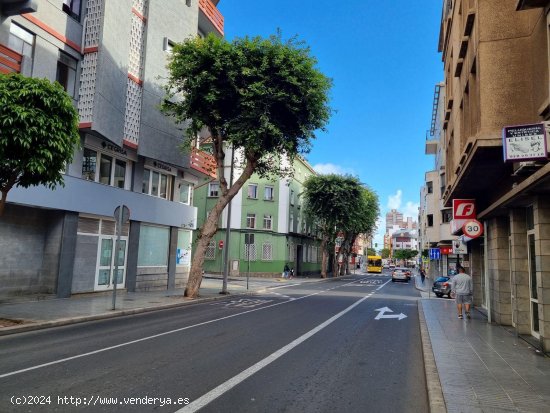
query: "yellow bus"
374, 263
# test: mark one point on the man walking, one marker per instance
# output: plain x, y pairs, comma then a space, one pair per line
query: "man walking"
462, 287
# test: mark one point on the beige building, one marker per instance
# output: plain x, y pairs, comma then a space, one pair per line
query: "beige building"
496, 67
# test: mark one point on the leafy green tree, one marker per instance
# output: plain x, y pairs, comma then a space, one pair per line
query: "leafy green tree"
385, 253
38, 133
264, 98
371, 251
341, 206
405, 254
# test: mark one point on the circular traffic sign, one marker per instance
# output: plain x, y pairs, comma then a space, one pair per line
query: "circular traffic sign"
220, 244
472, 228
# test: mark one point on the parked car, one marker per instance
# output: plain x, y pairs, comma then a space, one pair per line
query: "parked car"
442, 286
400, 274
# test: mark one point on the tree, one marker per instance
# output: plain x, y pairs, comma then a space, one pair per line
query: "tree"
405, 254
385, 253
371, 251
340, 205
264, 98
38, 133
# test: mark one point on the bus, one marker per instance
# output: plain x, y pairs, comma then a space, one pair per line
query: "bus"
374, 263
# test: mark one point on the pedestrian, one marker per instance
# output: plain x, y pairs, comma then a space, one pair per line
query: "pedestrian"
422, 275
286, 271
462, 287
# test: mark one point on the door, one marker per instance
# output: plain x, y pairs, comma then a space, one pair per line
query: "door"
299, 256
533, 293
105, 270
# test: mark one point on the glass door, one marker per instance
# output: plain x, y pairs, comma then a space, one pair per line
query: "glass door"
105, 273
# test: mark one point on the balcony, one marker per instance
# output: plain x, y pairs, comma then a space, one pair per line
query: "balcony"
531, 4
15, 7
203, 162
431, 146
210, 18
10, 60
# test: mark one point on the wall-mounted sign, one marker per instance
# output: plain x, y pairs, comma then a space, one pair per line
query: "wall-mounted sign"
464, 208
472, 228
435, 254
459, 247
524, 142
446, 249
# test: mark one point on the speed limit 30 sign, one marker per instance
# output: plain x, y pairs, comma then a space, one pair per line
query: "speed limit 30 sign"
472, 228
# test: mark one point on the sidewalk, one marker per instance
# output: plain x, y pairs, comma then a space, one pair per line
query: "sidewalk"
19, 316
483, 367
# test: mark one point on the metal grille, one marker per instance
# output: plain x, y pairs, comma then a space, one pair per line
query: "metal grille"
267, 251
210, 251
88, 225
87, 87
140, 5
132, 115
250, 252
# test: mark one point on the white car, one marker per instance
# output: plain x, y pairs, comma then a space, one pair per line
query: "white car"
400, 274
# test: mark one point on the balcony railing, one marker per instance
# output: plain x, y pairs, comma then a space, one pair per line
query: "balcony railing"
203, 162
213, 14
10, 60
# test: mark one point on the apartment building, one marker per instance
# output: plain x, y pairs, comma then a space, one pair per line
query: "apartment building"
268, 228
110, 56
496, 67
394, 217
434, 218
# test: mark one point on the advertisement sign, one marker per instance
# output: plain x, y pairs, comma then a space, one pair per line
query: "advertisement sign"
524, 142
446, 249
464, 208
459, 247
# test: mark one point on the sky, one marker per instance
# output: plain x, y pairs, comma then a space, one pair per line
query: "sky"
382, 58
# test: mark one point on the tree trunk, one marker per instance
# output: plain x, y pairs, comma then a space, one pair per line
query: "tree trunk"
324, 257
3, 202
210, 226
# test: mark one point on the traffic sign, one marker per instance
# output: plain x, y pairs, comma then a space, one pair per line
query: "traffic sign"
435, 254
220, 244
125, 214
472, 228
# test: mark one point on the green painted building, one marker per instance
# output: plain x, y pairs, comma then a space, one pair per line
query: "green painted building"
268, 228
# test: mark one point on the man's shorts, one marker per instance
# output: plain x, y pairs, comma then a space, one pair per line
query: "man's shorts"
464, 299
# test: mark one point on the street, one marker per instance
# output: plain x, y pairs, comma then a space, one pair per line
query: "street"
349, 344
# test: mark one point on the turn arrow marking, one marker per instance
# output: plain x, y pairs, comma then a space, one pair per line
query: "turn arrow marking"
383, 310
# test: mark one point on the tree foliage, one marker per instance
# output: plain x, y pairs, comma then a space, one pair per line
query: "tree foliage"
38, 133
264, 98
341, 205
385, 253
405, 254
371, 251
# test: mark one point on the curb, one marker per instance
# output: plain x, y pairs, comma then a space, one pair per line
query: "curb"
435, 393
22, 328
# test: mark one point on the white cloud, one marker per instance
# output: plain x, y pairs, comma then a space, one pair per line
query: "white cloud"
329, 168
411, 210
394, 201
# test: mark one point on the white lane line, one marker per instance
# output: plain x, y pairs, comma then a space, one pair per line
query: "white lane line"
101, 350
234, 381
383, 285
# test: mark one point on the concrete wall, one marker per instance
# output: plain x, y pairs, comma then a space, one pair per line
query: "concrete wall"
85, 264
499, 271
542, 248
30, 241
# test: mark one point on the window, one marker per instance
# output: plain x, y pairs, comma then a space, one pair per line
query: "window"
430, 187
430, 220
22, 41
156, 184
111, 171
253, 191
185, 193
66, 73
72, 8
267, 251
268, 220
153, 246
446, 215
291, 197
269, 193
213, 189
291, 223
251, 220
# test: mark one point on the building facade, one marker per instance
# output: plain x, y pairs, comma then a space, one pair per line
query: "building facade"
268, 228
496, 68
109, 56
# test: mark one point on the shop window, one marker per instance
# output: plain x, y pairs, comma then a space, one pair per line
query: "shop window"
153, 246
22, 41
66, 73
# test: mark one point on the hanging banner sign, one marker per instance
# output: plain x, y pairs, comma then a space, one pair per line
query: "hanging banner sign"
524, 142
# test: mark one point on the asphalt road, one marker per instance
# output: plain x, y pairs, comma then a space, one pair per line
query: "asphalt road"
317, 347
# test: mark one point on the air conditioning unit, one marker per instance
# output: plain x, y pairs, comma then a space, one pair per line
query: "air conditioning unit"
526, 168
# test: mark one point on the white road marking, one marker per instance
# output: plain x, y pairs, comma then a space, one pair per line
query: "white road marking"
234, 381
101, 350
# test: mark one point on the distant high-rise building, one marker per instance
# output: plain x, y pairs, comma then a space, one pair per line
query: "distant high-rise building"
394, 217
